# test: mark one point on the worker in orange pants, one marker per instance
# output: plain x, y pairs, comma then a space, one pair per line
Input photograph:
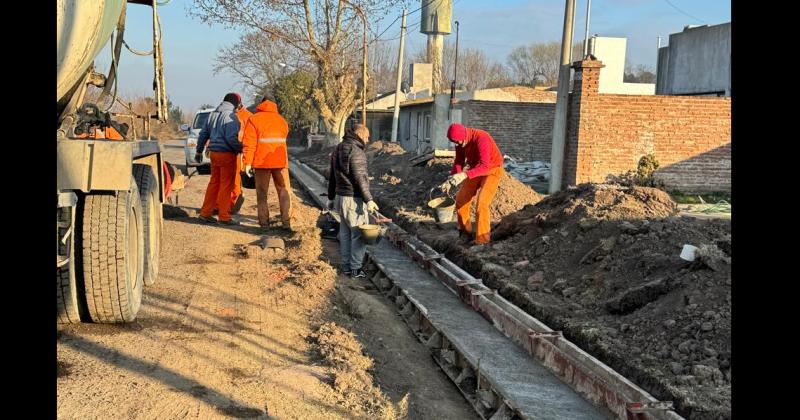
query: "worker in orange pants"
485, 187
477, 150
237, 198
221, 132
218, 192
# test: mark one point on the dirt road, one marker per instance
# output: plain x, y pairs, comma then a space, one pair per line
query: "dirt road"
232, 331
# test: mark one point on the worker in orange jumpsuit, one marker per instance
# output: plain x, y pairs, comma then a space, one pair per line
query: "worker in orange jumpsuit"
478, 150
221, 132
237, 198
266, 156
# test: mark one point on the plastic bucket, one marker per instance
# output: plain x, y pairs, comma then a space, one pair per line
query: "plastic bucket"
443, 208
370, 234
248, 182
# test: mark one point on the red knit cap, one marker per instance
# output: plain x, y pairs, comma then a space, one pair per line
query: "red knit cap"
457, 132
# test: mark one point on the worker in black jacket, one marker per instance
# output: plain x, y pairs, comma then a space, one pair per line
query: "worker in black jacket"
348, 194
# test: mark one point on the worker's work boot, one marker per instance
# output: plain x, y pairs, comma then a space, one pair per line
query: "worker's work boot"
229, 222
358, 274
208, 219
464, 237
238, 204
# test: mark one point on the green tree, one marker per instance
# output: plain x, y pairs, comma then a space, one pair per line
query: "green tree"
175, 114
293, 94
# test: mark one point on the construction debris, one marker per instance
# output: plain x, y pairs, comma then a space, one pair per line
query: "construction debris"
528, 173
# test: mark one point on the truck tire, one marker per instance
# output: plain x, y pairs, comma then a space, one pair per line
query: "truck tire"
67, 301
153, 215
112, 251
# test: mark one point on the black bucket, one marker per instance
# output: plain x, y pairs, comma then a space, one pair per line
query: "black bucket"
248, 181
329, 227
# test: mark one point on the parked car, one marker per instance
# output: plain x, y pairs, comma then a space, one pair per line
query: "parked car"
191, 139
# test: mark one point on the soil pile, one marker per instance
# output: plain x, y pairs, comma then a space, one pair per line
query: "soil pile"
602, 263
587, 204
404, 190
343, 353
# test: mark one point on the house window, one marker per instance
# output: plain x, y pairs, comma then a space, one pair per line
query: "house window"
427, 126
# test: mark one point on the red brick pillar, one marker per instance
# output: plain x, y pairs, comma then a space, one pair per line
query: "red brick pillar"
587, 77
577, 162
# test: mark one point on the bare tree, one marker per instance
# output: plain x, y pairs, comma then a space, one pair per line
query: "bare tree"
256, 60
639, 74
325, 33
475, 69
382, 63
536, 63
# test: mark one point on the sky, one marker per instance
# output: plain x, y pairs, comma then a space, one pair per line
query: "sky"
496, 26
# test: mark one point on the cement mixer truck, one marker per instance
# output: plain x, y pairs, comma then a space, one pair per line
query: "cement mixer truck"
110, 183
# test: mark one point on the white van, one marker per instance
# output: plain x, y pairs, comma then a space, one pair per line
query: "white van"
191, 140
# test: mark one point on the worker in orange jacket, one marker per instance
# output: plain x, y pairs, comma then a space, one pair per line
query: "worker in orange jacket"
478, 150
266, 156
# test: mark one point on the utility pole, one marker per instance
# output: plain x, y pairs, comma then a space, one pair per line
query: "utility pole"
586, 34
396, 113
560, 123
455, 77
364, 74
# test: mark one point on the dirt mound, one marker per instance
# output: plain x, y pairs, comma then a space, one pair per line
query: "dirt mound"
587, 204
602, 263
406, 189
343, 353
385, 147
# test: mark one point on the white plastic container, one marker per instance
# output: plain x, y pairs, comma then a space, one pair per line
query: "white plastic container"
688, 252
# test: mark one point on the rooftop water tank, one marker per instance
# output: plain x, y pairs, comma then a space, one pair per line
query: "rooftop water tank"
436, 16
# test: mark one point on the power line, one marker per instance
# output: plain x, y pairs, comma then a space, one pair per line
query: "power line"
387, 28
408, 28
681, 11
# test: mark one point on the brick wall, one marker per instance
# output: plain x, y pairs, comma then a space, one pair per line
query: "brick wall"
607, 134
528, 94
523, 131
